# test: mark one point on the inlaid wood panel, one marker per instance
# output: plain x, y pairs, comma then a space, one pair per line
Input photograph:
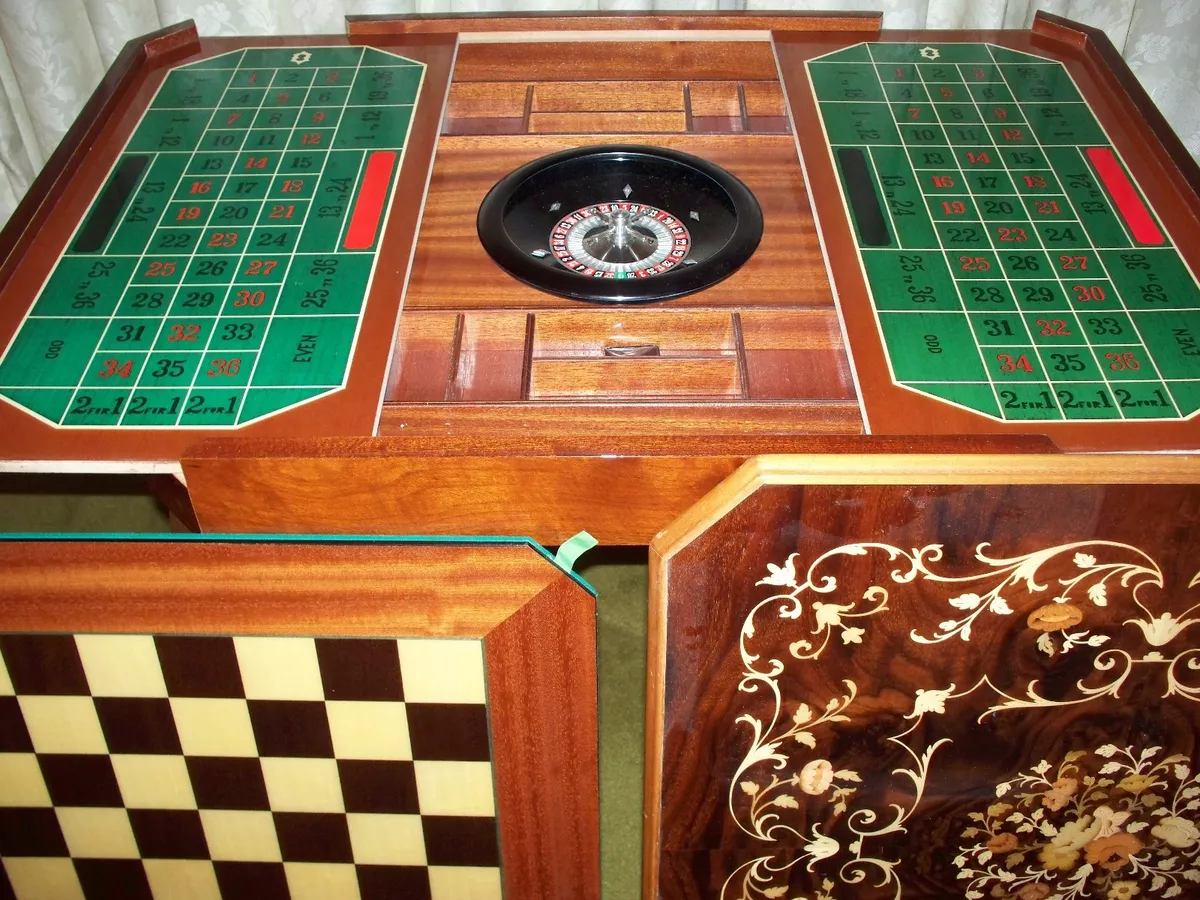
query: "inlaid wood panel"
874, 683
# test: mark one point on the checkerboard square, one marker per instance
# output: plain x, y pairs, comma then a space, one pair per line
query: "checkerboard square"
378, 786
137, 724
43, 878
30, 832
113, 879
290, 728
448, 788
63, 724
169, 833
182, 879
442, 670
354, 669
389, 882
368, 730
222, 782
460, 841
262, 881
279, 668
199, 666
153, 782
97, 833
121, 665
451, 883
213, 727
14, 736
6, 685
240, 836
80, 780
449, 731
303, 785
43, 664
321, 881
386, 840
6, 891
313, 837
21, 781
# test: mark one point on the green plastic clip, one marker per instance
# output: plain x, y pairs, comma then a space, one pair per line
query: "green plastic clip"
573, 548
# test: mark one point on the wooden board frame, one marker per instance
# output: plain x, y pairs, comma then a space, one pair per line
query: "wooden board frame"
698, 645
535, 620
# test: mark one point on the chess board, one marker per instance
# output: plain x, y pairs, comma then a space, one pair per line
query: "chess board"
156, 766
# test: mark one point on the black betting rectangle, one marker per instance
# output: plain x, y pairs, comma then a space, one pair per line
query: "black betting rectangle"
110, 203
30, 831
456, 731
226, 782
461, 841
259, 880
113, 879
75, 779
291, 728
47, 664
14, 736
313, 837
137, 724
168, 833
379, 786
864, 199
391, 882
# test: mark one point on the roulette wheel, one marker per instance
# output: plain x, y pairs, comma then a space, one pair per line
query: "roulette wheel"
619, 224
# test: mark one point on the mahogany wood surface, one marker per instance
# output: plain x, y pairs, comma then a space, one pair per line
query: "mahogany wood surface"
694, 20
537, 625
117, 107
548, 484
889, 408
752, 698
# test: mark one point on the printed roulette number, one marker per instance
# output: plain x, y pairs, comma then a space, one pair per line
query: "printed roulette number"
620, 224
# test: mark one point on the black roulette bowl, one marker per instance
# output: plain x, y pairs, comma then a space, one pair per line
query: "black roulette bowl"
620, 224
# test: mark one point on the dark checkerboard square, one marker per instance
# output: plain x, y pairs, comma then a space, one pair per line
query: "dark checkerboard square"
14, 736
80, 779
138, 724
30, 831
113, 879
169, 833
461, 841
291, 728
359, 669
258, 881
223, 782
448, 731
6, 891
393, 882
199, 666
44, 664
378, 786
313, 837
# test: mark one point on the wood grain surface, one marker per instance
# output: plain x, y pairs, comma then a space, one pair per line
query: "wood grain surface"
865, 645
865, 22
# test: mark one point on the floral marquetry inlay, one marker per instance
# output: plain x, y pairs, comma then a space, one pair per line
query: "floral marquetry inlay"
851, 786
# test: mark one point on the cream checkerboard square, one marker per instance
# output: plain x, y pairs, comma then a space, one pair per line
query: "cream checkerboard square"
62, 724
182, 879
440, 670
463, 883
455, 788
368, 729
386, 840
303, 785
43, 878
213, 727
236, 835
322, 881
21, 782
153, 782
279, 668
121, 665
97, 832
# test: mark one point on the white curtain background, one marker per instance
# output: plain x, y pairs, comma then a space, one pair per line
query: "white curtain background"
54, 52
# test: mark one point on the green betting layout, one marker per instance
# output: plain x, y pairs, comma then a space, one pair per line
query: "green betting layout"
221, 273
1014, 265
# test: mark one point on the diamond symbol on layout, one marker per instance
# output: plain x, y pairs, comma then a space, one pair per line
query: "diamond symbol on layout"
694, 215
301, 57
555, 206
627, 191
541, 254
930, 52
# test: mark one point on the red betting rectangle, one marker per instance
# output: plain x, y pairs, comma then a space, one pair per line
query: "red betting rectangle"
368, 205
1125, 196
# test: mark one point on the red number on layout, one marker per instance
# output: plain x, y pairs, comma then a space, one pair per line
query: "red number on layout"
201, 187
1012, 134
943, 181
261, 266
226, 367
183, 333
256, 162
114, 367
293, 187
1119, 362
1035, 181
1046, 207
974, 263
250, 298
1073, 262
281, 212
187, 212
1016, 235
311, 138
981, 159
1086, 292
223, 239
953, 207
160, 269
1008, 364
1054, 328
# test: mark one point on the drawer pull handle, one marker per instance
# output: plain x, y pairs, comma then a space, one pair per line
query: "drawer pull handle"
623, 351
